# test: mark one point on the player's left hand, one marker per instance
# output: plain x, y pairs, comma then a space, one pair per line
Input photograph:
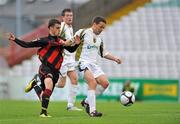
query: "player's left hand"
118, 61
11, 37
62, 42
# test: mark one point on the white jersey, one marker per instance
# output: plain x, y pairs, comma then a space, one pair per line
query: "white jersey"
90, 47
67, 33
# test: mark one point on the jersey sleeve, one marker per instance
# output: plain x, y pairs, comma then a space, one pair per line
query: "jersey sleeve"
34, 43
62, 32
78, 33
81, 33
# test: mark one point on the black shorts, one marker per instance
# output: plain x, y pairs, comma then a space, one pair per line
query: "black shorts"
45, 71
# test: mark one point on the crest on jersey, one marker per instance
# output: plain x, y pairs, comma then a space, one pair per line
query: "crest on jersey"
94, 40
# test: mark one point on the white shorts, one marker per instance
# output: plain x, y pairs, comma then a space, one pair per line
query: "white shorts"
94, 68
66, 68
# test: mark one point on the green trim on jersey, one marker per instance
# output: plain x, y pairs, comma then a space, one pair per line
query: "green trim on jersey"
62, 33
79, 49
101, 49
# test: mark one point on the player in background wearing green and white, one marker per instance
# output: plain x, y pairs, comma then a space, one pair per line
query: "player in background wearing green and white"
68, 65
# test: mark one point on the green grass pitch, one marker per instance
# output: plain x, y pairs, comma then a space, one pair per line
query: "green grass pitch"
27, 112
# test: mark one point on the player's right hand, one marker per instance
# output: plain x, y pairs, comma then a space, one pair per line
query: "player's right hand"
77, 39
118, 61
11, 37
62, 42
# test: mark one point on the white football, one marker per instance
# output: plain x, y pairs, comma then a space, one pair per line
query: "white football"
127, 98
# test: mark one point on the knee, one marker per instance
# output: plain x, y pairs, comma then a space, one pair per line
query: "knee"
74, 80
61, 84
105, 85
48, 83
92, 84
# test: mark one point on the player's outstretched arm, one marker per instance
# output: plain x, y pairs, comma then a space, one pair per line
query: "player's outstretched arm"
11, 37
37, 43
113, 58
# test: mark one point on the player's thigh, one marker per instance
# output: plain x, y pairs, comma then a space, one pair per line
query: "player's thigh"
51, 79
64, 70
48, 83
73, 77
103, 80
48, 77
88, 76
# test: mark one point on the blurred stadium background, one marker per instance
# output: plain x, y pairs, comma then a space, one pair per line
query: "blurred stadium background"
144, 33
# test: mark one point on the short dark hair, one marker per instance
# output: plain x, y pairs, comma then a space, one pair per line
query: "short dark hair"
99, 19
65, 10
52, 22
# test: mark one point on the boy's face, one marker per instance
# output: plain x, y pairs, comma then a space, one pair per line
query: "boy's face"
68, 18
55, 30
98, 28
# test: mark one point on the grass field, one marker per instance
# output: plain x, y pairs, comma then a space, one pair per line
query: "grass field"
27, 112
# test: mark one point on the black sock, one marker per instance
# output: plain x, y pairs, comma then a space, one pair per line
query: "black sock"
45, 100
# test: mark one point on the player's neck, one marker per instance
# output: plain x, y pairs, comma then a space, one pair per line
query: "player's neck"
93, 29
51, 33
69, 25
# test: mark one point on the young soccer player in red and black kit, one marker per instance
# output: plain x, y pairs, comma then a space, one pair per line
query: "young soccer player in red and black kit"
51, 57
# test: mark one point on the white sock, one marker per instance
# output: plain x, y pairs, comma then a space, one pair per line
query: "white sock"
92, 100
99, 89
86, 100
72, 95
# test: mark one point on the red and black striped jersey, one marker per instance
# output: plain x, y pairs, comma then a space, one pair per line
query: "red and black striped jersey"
50, 51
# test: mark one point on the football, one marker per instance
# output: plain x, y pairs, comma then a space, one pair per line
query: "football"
127, 98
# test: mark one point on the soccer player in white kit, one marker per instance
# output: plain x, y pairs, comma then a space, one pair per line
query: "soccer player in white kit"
68, 65
91, 45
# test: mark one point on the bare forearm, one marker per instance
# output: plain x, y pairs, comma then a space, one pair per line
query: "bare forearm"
113, 58
110, 57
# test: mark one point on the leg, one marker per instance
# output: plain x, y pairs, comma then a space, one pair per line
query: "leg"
101, 79
62, 82
33, 85
73, 77
48, 79
72, 90
48, 82
91, 94
88, 76
103, 83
